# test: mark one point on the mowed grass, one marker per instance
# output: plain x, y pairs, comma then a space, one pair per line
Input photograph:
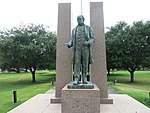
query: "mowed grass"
139, 89
21, 82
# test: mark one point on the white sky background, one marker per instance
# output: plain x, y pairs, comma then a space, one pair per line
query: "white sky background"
15, 12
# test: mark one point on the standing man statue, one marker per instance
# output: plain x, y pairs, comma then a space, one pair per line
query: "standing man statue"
82, 39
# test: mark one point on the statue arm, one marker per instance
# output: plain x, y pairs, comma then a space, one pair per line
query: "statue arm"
91, 37
69, 44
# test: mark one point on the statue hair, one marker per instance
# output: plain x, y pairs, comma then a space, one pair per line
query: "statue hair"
82, 17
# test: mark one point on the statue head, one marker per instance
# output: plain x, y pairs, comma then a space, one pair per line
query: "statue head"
80, 20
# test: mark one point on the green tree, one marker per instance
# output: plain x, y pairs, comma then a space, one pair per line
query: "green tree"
113, 36
146, 34
131, 43
31, 46
136, 46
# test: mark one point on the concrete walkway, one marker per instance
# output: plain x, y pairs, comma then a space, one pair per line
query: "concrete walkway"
121, 104
111, 91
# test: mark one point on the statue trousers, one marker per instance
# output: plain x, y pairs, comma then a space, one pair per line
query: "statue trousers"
81, 61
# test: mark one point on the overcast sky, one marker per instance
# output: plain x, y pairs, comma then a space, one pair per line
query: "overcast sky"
15, 12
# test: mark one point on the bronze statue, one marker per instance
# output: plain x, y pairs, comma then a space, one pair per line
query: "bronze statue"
81, 41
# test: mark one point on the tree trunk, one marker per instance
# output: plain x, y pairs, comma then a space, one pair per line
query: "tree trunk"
132, 70
132, 76
108, 71
33, 76
18, 70
26, 70
32, 70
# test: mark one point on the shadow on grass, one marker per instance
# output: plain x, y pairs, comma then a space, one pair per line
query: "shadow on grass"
118, 74
127, 81
23, 83
38, 81
139, 83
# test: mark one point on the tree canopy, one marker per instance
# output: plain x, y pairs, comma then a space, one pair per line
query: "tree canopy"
128, 46
28, 46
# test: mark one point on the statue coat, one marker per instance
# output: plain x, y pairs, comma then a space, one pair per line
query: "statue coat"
89, 36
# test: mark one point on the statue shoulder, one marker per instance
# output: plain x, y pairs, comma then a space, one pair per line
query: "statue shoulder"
74, 29
88, 27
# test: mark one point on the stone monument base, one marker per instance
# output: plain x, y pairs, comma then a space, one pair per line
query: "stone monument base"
80, 100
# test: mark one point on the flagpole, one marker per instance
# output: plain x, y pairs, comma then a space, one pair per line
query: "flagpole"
81, 8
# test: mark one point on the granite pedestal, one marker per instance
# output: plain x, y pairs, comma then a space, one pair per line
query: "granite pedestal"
80, 100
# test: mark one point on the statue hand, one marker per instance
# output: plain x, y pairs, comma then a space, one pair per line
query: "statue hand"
86, 43
67, 45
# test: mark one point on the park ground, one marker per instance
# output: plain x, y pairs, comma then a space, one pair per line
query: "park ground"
21, 82
139, 89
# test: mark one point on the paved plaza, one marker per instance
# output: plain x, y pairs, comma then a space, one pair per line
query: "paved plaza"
122, 103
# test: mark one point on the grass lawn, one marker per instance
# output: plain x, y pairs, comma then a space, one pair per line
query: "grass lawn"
139, 89
21, 82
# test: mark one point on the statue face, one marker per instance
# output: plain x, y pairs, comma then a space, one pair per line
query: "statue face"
80, 20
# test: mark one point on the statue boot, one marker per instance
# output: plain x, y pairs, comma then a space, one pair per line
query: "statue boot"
84, 79
76, 80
